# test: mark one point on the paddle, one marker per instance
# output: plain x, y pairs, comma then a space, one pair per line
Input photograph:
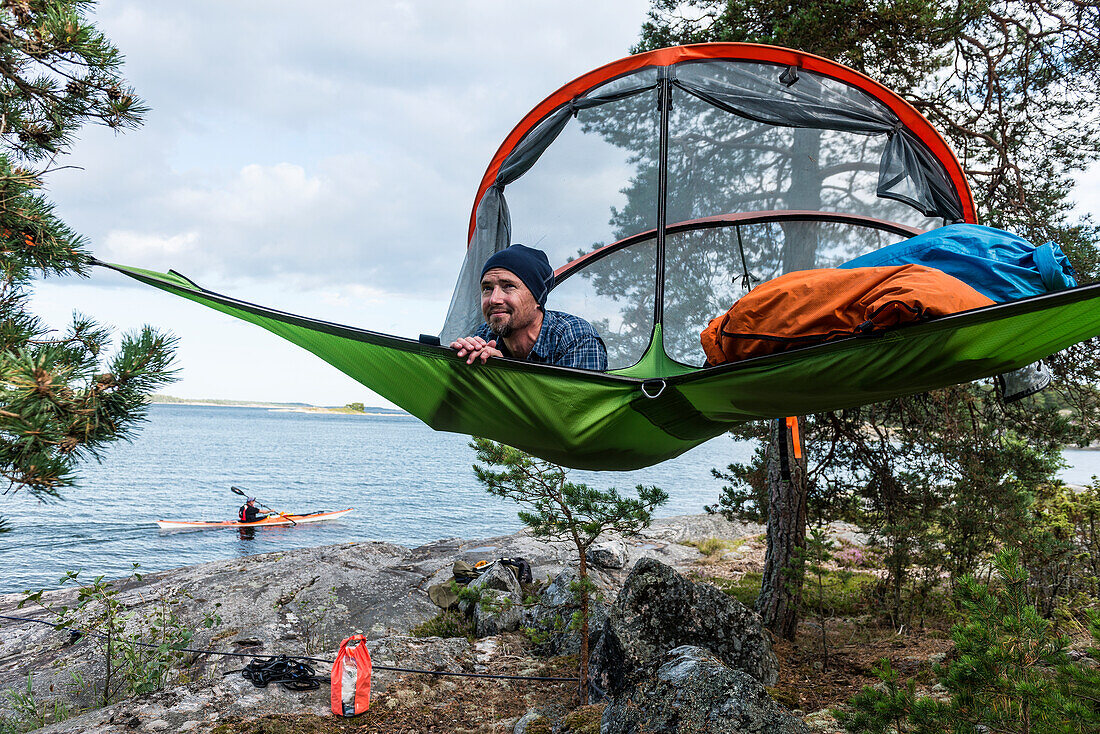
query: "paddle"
242, 493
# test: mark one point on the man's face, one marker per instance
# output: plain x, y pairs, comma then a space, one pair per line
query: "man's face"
507, 304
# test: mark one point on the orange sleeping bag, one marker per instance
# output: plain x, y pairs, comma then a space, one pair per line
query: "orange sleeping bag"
813, 306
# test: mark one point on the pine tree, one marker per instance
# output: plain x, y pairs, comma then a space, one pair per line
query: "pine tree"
1011, 672
62, 397
562, 510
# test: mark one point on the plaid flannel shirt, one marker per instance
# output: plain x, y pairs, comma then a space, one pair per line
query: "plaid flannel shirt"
564, 340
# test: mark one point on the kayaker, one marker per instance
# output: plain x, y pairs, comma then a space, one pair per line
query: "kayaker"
249, 512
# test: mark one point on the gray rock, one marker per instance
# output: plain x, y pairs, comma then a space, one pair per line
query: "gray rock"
173, 709
610, 553
525, 721
179, 708
683, 528
499, 616
300, 602
693, 691
425, 653
497, 577
847, 533
823, 721
558, 593
549, 718
659, 610
501, 595
296, 602
551, 618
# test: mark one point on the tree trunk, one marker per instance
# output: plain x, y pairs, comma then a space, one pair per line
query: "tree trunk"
584, 627
781, 587
110, 659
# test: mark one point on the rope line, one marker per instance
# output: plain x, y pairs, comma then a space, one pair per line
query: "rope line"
76, 634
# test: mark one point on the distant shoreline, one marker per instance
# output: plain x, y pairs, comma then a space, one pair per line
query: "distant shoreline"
336, 411
368, 410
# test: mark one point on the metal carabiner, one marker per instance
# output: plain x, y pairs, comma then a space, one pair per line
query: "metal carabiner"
649, 385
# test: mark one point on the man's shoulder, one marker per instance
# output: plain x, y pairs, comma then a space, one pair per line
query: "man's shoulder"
566, 324
573, 342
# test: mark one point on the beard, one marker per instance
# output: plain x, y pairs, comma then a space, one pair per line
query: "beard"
502, 328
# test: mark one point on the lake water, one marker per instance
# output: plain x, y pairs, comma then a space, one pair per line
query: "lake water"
409, 485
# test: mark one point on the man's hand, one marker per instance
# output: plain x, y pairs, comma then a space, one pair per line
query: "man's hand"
474, 348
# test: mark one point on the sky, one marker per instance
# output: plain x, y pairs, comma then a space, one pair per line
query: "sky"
322, 162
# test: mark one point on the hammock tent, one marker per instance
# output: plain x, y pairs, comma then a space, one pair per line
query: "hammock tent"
666, 185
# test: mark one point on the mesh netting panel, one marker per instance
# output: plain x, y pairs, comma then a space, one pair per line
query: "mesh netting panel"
615, 294
720, 163
743, 136
573, 198
705, 275
779, 95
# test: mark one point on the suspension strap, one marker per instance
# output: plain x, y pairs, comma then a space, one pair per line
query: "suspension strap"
784, 458
789, 425
796, 439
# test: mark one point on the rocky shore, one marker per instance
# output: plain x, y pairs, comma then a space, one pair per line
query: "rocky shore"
302, 603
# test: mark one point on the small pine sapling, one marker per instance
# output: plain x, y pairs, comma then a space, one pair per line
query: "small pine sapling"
558, 509
818, 552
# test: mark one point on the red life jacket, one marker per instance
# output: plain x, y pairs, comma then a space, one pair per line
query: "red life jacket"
241, 514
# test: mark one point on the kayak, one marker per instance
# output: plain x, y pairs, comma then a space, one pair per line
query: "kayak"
272, 521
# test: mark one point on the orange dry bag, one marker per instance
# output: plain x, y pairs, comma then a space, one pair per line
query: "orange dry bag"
351, 677
813, 306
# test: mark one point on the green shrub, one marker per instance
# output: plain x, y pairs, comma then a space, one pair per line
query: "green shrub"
1011, 672
315, 623
584, 720
448, 623
713, 546
845, 593
28, 713
139, 646
1061, 548
744, 589
785, 696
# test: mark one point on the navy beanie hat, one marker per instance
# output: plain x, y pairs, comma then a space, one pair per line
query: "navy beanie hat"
530, 265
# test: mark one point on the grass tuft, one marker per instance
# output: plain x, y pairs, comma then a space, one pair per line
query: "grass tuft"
448, 623
584, 720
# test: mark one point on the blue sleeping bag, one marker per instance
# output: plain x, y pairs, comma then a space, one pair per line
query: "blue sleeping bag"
997, 264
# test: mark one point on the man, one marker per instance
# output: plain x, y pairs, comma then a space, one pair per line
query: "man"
249, 512
514, 285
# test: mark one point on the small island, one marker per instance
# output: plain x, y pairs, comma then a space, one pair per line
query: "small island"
347, 409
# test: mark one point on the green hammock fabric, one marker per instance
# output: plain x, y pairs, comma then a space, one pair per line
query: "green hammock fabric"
589, 420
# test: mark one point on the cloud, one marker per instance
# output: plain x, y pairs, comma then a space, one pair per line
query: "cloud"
159, 251
320, 159
341, 222
331, 147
